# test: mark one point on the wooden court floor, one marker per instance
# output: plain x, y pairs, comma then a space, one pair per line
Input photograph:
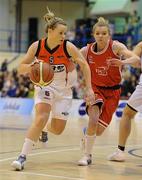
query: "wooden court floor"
59, 160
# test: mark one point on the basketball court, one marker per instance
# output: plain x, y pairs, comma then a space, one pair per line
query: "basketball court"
59, 160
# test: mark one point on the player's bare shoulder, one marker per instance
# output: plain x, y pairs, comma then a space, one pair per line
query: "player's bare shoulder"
117, 47
72, 49
139, 45
70, 46
33, 48
34, 45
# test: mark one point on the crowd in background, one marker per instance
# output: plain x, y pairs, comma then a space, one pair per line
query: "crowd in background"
129, 33
13, 85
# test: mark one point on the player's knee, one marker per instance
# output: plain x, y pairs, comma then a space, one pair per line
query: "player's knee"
94, 121
99, 130
40, 120
128, 113
58, 131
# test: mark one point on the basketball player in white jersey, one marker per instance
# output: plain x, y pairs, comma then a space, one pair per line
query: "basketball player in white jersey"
57, 96
133, 106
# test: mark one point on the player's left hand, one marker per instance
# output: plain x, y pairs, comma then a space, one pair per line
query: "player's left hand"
115, 62
90, 97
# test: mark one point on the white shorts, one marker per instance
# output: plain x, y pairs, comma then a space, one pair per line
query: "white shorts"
59, 99
135, 101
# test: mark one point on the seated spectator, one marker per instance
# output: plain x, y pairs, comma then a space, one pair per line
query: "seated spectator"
4, 65
22, 91
31, 90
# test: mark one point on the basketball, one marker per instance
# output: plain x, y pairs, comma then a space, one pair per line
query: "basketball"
41, 73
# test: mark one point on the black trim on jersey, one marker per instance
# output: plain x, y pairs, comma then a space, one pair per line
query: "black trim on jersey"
65, 49
131, 108
51, 51
110, 87
38, 48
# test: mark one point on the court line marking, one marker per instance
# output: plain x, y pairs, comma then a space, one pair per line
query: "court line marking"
45, 175
39, 153
132, 152
37, 148
63, 150
48, 175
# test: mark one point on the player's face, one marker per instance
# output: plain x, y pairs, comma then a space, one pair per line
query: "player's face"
59, 33
101, 34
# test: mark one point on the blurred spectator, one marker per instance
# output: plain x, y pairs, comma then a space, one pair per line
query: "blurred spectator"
3, 93
4, 65
31, 91
134, 17
70, 35
9, 40
22, 91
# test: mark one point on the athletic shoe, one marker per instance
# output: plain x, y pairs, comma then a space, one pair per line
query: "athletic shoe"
117, 156
44, 138
85, 160
18, 164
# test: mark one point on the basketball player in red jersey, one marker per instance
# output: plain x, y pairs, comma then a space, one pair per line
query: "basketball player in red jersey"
105, 83
133, 106
57, 96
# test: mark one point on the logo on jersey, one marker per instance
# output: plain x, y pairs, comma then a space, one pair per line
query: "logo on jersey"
65, 113
51, 59
60, 56
59, 67
91, 60
47, 95
42, 56
102, 71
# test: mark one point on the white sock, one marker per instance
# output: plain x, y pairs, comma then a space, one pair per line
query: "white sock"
27, 146
89, 142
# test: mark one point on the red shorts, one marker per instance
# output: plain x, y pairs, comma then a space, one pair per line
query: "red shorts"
108, 100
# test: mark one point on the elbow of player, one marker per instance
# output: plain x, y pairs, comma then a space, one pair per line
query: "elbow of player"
138, 61
137, 64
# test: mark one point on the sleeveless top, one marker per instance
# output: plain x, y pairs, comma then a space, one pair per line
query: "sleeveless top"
102, 74
60, 60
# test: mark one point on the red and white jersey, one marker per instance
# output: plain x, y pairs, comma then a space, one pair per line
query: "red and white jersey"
102, 74
59, 59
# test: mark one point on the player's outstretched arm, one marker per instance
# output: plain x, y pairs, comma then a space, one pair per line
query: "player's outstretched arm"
79, 59
24, 67
128, 57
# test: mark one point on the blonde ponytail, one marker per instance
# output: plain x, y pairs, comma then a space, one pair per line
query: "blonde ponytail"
102, 22
49, 16
52, 21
